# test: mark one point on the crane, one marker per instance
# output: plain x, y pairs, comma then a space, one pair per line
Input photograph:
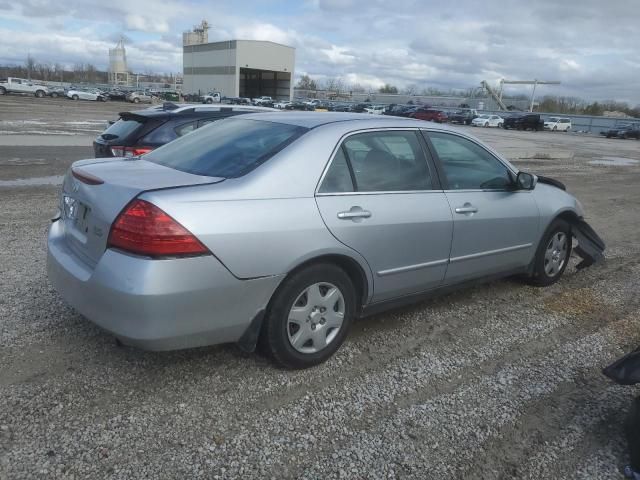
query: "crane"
535, 83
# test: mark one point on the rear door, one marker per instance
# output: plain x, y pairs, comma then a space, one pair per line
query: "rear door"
494, 227
381, 196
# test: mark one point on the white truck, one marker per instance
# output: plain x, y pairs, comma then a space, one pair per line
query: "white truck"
21, 85
212, 97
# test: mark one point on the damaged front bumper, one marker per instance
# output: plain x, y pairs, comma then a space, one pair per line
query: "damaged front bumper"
590, 246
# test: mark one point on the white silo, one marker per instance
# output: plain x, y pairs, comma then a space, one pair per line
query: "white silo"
198, 36
118, 71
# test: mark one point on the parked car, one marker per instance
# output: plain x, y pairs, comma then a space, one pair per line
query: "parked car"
255, 227
527, 121
558, 124
429, 114
299, 105
87, 94
141, 131
375, 109
117, 94
359, 107
625, 130
281, 105
487, 120
339, 107
401, 110
464, 116
55, 92
263, 101
21, 85
140, 97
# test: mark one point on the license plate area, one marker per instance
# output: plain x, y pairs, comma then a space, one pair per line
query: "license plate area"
76, 214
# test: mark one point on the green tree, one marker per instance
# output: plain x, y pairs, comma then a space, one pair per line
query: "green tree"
388, 89
307, 83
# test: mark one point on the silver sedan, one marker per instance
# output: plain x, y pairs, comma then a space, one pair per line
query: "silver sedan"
278, 229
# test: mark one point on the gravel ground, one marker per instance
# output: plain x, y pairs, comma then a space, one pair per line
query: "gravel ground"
499, 381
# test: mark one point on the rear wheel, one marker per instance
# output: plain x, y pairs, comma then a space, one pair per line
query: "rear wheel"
54, 95
3, 91
136, 100
554, 129
486, 124
309, 316
39, 93
552, 255
209, 100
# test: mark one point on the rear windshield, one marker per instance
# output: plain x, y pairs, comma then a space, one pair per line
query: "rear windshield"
228, 148
121, 129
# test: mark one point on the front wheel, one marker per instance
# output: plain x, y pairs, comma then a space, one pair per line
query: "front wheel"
39, 93
54, 95
554, 129
500, 125
486, 124
309, 316
136, 100
209, 101
75, 97
3, 91
552, 255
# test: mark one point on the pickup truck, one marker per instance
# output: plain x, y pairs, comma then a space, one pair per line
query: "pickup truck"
528, 121
212, 97
20, 85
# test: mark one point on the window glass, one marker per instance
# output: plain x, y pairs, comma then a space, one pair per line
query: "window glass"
186, 128
228, 148
468, 166
388, 161
338, 178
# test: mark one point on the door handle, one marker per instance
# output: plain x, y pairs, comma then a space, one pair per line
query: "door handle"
355, 212
467, 208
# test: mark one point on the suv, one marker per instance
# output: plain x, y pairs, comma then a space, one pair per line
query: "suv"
624, 130
20, 85
528, 121
264, 101
558, 124
138, 132
140, 97
464, 116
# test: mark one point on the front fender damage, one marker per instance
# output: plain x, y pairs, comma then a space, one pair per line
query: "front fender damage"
590, 246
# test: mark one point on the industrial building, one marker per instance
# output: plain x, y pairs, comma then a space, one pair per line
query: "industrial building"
237, 68
118, 70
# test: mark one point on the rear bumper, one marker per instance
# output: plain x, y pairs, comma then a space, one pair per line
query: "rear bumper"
158, 304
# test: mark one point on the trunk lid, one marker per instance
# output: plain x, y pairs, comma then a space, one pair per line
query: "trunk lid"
88, 210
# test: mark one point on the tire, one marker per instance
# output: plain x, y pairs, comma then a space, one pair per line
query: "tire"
486, 124
209, 101
501, 125
39, 93
3, 91
75, 97
54, 95
291, 343
552, 255
554, 129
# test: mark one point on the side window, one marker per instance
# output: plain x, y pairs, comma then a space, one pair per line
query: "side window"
186, 128
387, 161
468, 166
338, 177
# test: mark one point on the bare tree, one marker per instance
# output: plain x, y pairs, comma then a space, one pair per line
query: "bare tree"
30, 64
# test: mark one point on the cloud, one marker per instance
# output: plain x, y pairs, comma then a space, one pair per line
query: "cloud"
592, 49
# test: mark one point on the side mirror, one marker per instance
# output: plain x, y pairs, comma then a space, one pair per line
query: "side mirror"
526, 181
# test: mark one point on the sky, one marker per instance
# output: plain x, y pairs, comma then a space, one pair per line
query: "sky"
591, 46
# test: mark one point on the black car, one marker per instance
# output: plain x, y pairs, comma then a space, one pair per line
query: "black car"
528, 121
625, 130
463, 116
339, 107
117, 94
138, 132
299, 105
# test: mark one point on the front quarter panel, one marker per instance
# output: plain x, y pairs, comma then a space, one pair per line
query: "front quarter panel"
552, 202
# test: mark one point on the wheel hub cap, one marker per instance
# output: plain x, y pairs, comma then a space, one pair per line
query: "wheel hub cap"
556, 254
315, 318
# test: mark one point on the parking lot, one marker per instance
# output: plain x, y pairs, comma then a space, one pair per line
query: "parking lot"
498, 381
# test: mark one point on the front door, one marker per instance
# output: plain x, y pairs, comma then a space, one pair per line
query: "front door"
494, 226
380, 196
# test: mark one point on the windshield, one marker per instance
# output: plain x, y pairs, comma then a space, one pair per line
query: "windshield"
228, 148
483, 116
553, 119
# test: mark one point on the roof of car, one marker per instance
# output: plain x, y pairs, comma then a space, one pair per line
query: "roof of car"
316, 119
194, 108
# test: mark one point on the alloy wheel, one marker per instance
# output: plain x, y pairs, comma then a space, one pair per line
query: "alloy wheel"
556, 254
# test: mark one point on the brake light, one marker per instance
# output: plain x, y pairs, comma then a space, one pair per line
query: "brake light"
145, 229
129, 151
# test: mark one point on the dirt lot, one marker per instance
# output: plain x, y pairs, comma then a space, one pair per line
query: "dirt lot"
499, 381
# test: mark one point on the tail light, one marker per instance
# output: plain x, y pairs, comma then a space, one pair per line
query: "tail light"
129, 151
144, 229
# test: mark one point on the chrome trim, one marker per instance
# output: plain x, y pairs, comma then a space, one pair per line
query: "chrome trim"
377, 193
489, 252
409, 268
